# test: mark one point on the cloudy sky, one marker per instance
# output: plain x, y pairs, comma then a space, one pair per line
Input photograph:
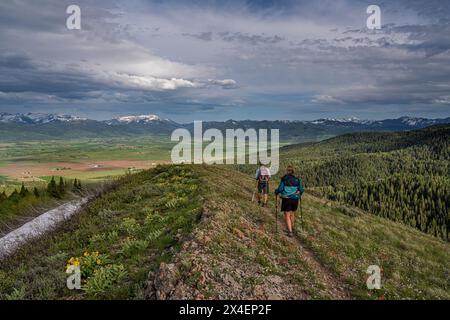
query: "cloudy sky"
192, 60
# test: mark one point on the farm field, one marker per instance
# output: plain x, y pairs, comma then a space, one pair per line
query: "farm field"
89, 160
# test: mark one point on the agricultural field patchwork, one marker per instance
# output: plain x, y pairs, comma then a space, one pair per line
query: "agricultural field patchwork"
34, 163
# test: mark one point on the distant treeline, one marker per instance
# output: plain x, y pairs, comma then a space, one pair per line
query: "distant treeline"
403, 176
19, 201
419, 201
400, 176
55, 190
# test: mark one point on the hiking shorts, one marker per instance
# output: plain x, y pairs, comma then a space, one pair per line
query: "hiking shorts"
263, 187
288, 204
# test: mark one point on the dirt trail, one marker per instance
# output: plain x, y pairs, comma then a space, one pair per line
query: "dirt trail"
38, 226
332, 284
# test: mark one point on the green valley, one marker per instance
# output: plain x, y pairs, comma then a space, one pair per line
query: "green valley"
192, 232
401, 176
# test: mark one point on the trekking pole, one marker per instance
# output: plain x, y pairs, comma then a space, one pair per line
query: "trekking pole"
276, 214
301, 212
256, 193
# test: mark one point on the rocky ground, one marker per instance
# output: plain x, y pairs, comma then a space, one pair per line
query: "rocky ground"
236, 253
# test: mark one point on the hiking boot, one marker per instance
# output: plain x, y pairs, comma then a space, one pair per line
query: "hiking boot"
290, 234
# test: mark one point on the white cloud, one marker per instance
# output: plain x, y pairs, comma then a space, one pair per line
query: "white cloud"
225, 83
143, 51
149, 82
326, 99
442, 100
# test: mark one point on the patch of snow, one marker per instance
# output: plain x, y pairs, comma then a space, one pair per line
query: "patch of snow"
142, 118
341, 120
37, 118
38, 226
411, 121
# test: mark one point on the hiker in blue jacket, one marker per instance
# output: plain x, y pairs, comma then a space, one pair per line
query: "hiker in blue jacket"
290, 191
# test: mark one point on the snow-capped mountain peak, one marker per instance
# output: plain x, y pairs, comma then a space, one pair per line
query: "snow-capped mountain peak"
340, 120
140, 119
37, 118
411, 121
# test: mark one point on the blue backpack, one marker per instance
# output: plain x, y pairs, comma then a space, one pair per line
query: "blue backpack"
289, 186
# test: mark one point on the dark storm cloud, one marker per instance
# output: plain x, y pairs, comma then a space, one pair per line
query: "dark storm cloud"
399, 65
20, 74
310, 55
15, 61
206, 36
40, 60
253, 39
250, 39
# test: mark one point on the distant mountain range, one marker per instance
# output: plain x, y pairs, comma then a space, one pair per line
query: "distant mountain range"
36, 118
141, 119
37, 126
402, 123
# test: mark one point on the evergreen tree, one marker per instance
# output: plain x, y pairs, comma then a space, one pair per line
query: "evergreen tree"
61, 187
36, 192
52, 189
76, 185
14, 196
3, 196
23, 191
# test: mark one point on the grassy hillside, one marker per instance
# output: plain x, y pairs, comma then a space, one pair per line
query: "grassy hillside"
118, 239
430, 142
193, 232
402, 176
238, 240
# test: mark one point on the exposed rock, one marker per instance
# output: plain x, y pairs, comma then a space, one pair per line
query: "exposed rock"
162, 285
239, 233
234, 253
258, 292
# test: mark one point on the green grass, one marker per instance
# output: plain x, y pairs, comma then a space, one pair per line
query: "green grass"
89, 175
133, 228
15, 210
141, 221
238, 240
12, 214
347, 241
152, 148
415, 265
147, 149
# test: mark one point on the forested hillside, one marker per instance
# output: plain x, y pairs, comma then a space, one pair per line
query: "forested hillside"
401, 176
